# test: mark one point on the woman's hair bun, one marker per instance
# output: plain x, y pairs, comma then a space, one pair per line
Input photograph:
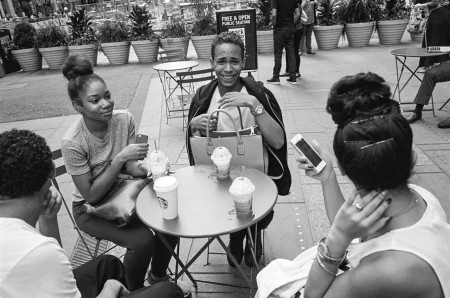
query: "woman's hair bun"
361, 95
75, 66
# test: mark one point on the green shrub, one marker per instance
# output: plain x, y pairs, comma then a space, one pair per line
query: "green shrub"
263, 14
51, 35
175, 29
327, 12
360, 11
80, 29
141, 24
24, 37
114, 31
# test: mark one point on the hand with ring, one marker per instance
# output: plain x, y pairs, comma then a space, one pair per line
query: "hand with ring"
201, 122
361, 217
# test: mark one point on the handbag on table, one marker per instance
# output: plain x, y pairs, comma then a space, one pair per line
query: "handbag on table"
119, 203
245, 145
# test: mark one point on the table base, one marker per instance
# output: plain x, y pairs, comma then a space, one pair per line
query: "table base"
185, 267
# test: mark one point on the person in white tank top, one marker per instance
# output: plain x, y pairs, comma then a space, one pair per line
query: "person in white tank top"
403, 230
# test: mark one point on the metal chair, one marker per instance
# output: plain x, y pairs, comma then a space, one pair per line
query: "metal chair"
172, 55
188, 81
86, 247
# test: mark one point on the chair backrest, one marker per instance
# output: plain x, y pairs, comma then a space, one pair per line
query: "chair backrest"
195, 76
171, 55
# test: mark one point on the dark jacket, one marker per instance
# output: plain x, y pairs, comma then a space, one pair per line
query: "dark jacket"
200, 104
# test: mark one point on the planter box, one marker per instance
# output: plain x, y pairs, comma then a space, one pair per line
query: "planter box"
29, 59
175, 43
202, 45
90, 50
391, 32
146, 50
327, 37
54, 56
117, 52
358, 34
416, 37
264, 41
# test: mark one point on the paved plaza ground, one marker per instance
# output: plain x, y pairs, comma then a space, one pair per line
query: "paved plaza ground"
300, 219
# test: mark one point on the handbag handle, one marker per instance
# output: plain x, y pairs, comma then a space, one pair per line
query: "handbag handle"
209, 145
240, 117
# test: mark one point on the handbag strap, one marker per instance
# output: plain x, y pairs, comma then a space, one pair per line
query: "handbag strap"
240, 117
209, 144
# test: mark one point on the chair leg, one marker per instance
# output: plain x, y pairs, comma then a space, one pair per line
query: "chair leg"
444, 104
97, 245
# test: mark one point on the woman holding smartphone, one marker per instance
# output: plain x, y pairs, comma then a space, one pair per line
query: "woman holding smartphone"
97, 148
405, 237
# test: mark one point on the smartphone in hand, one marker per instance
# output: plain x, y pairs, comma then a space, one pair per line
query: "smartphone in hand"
141, 139
312, 157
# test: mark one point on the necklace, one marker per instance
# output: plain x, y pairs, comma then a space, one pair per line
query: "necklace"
412, 204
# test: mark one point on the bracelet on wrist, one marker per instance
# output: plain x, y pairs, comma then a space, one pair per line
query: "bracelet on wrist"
323, 253
325, 267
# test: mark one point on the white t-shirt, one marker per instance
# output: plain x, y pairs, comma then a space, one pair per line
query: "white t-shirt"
32, 265
224, 123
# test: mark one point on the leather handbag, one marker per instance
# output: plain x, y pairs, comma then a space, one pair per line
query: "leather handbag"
119, 204
247, 150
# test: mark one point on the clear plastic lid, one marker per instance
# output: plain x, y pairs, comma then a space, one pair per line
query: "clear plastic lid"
166, 183
157, 157
242, 186
221, 154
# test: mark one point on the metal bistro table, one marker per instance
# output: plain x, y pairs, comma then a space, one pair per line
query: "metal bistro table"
206, 210
166, 76
415, 53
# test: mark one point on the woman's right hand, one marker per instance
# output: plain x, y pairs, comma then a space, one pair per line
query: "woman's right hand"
201, 121
134, 152
326, 172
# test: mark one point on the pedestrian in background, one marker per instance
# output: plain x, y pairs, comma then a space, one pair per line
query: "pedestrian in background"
297, 37
310, 7
285, 14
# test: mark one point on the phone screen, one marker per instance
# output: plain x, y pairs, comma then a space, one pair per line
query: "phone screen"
141, 139
309, 152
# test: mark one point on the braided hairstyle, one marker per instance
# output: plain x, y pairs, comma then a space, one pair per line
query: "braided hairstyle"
80, 73
373, 141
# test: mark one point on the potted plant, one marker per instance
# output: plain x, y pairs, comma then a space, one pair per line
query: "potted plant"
114, 37
359, 17
175, 36
204, 29
51, 40
82, 39
264, 32
24, 47
393, 22
144, 41
329, 27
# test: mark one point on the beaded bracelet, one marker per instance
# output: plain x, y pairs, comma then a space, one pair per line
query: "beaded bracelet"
324, 254
325, 268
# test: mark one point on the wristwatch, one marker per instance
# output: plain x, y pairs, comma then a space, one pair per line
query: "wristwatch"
259, 110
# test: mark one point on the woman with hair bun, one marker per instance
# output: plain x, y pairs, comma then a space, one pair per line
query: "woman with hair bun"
98, 148
403, 230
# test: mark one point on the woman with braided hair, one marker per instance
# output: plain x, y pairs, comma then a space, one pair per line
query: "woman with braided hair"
404, 237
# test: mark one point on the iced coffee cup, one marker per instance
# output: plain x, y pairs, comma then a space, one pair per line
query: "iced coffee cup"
158, 163
221, 158
242, 190
166, 189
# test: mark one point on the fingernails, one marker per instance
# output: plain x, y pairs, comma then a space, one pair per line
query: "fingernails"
388, 201
384, 192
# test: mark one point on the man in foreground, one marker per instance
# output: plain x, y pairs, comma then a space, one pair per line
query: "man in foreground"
33, 264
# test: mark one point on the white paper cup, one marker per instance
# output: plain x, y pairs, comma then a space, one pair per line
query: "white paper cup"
167, 192
242, 190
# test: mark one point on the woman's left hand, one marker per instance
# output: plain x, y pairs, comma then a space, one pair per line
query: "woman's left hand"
237, 99
360, 217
